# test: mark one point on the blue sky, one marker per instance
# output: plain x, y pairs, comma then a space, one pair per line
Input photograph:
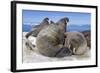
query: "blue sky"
32, 17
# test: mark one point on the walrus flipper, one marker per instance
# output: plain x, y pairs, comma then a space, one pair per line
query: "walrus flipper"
28, 34
33, 32
63, 52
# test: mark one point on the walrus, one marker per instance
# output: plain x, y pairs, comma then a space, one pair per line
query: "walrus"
50, 42
87, 35
76, 42
36, 29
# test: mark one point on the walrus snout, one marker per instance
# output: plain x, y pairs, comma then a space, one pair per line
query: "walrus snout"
67, 19
64, 52
64, 20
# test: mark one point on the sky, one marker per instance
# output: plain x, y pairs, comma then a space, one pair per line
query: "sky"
33, 17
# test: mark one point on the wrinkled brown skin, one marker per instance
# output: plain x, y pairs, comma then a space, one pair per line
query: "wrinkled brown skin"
76, 42
87, 35
36, 29
50, 40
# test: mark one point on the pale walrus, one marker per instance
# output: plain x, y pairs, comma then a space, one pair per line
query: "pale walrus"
76, 42
50, 40
36, 29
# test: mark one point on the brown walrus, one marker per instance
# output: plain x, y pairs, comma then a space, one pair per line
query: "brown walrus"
87, 35
36, 29
50, 40
76, 42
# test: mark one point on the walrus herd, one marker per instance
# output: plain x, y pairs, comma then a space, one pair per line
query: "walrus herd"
53, 40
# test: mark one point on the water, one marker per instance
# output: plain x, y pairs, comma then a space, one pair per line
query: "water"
80, 28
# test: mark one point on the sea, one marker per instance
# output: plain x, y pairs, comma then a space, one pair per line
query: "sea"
72, 27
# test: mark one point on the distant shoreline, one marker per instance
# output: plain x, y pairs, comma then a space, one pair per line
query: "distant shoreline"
80, 28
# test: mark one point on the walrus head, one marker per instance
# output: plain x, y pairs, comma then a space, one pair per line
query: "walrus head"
62, 23
46, 19
63, 20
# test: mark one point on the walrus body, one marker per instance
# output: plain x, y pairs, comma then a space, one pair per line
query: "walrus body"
87, 35
50, 40
76, 42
